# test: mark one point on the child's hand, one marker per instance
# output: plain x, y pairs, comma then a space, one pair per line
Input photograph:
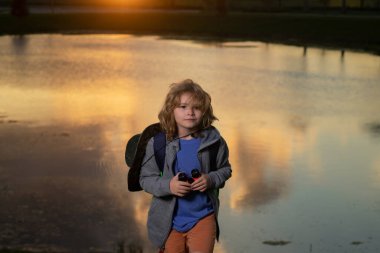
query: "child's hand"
201, 184
179, 188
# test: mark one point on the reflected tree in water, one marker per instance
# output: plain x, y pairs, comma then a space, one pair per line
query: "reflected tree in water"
19, 44
373, 128
255, 188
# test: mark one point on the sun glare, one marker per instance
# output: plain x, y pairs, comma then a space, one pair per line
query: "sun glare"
125, 3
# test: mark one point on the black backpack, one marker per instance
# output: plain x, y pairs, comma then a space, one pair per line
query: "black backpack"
135, 152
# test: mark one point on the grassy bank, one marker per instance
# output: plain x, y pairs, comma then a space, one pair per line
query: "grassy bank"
335, 31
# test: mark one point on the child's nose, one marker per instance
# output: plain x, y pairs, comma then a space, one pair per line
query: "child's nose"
190, 111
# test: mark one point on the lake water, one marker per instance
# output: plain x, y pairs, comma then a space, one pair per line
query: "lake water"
302, 124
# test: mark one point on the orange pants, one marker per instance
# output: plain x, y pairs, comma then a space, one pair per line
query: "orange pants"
199, 239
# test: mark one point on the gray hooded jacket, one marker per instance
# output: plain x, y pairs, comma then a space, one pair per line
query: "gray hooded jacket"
163, 202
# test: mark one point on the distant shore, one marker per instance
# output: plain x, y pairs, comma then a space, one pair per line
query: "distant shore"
336, 31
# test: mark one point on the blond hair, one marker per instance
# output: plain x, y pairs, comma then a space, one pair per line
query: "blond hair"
199, 96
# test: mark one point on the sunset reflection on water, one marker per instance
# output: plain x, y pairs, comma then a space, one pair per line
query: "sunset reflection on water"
302, 127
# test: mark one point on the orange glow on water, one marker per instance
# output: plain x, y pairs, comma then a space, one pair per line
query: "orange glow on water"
302, 136
253, 155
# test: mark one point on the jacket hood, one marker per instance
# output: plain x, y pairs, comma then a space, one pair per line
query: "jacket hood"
208, 137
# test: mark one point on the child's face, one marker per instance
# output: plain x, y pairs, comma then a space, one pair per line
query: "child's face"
187, 115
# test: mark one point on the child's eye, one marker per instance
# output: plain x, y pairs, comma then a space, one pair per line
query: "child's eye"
182, 106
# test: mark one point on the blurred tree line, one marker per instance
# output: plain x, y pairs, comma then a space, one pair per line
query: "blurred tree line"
19, 7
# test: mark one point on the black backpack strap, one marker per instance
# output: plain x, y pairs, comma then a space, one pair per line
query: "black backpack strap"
159, 146
213, 153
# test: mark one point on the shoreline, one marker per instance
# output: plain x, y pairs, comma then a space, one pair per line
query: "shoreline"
332, 31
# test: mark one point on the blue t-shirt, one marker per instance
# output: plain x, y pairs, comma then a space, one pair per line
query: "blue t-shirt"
196, 205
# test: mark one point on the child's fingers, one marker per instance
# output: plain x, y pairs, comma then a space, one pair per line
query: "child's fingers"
184, 184
200, 188
182, 188
200, 184
197, 183
179, 188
